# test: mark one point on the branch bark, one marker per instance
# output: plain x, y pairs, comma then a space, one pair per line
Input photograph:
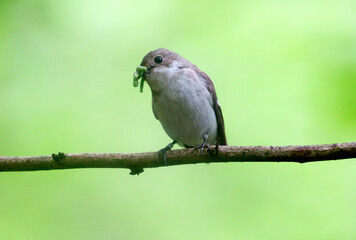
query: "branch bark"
136, 162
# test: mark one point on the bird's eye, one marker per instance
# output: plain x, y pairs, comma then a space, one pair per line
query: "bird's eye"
158, 59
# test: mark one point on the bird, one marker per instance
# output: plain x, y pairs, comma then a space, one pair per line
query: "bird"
184, 100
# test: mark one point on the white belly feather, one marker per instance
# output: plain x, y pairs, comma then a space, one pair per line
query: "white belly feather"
184, 108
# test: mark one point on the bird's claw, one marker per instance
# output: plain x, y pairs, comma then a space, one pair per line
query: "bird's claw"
162, 153
164, 150
201, 147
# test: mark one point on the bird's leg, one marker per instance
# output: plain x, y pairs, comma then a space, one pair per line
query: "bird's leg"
217, 146
203, 145
164, 150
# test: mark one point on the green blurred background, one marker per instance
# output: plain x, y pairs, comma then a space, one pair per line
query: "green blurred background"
285, 73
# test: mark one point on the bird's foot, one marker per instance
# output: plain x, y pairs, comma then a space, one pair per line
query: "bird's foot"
162, 152
203, 145
217, 147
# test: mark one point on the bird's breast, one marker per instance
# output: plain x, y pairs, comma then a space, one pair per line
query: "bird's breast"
184, 108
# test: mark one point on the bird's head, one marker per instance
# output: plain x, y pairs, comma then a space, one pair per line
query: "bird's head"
158, 67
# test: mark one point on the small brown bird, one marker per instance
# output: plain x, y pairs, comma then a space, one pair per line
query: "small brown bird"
183, 100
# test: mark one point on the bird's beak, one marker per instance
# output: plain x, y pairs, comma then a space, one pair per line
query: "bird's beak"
139, 74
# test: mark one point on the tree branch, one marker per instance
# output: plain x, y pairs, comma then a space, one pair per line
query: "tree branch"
136, 162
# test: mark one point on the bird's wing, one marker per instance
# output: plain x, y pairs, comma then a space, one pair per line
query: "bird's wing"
217, 109
153, 110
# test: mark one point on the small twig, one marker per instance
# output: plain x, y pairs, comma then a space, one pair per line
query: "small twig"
138, 161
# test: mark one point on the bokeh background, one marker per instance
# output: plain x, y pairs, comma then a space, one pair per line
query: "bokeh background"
285, 73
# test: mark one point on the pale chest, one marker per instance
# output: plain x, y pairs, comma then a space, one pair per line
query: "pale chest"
184, 108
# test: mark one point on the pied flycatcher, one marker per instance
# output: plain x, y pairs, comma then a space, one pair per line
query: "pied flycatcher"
183, 100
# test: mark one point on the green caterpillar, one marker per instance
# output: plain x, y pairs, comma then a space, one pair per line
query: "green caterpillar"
140, 71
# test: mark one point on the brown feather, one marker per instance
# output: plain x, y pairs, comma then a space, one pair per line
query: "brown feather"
217, 109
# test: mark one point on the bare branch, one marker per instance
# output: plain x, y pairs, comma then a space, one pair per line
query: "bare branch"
138, 161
